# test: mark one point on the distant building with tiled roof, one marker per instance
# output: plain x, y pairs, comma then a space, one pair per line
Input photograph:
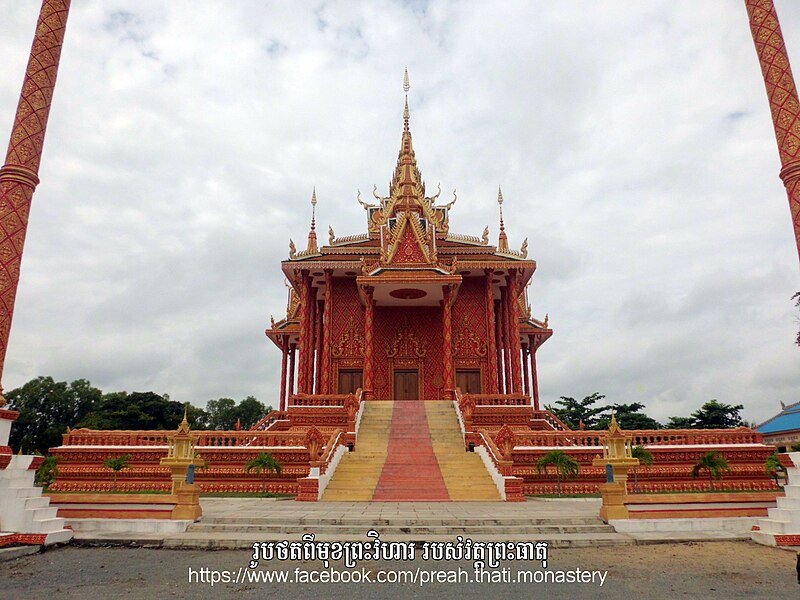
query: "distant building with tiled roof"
783, 429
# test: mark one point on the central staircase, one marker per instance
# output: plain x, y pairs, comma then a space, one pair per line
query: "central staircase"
410, 451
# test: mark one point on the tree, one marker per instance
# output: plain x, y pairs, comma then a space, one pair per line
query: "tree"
47, 472
680, 423
629, 417
116, 464
715, 464
645, 458
796, 447
250, 411
775, 469
224, 412
716, 415
46, 409
141, 410
264, 463
573, 412
565, 466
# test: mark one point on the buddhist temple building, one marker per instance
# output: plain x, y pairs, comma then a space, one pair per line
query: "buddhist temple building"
408, 373
408, 309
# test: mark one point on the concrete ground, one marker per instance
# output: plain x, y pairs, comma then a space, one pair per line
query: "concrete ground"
725, 570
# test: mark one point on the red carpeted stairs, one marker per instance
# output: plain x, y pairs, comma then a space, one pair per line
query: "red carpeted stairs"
411, 471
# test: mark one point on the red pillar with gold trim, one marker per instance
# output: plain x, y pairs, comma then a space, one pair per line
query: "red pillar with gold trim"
783, 101
447, 343
509, 379
369, 334
327, 324
305, 347
19, 175
312, 328
534, 377
290, 390
526, 384
490, 329
514, 345
284, 357
498, 311
318, 352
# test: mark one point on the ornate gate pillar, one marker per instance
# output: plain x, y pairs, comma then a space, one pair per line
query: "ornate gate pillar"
498, 335
783, 101
19, 175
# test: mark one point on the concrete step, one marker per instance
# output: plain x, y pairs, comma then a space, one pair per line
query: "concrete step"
246, 540
408, 529
408, 520
48, 525
37, 502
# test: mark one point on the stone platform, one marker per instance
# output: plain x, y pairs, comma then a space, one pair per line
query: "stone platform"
230, 523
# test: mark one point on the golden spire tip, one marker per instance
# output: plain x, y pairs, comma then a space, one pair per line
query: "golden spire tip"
406, 85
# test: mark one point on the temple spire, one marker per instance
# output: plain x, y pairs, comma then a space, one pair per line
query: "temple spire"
502, 245
406, 185
312, 234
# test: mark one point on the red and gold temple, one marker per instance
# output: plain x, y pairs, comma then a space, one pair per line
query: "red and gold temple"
408, 373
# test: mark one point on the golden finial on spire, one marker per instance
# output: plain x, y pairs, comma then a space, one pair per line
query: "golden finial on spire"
503, 242
184, 426
313, 206
406, 87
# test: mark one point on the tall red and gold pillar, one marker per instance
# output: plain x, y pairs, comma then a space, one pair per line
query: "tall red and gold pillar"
318, 351
514, 343
498, 335
447, 343
306, 347
369, 335
327, 325
534, 375
19, 175
783, 101
490, 329
508, 381
284, 360
290, 389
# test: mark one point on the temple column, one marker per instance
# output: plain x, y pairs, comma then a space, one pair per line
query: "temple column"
783, 101
525, 380
534, 378
19, 175
514, 347
369, 334
490, 329
447, 343
290, 391
498, 334
305, 346
327, 333
508, 379
312, 322
284, 357
318, 353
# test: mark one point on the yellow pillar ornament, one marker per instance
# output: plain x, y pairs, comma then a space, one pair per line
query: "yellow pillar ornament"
180, 456
618, 453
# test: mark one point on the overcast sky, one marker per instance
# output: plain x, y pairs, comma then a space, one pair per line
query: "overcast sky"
632, 140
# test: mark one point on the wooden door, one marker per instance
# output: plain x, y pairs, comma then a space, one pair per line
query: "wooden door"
349, 381
468, 381
406, 385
